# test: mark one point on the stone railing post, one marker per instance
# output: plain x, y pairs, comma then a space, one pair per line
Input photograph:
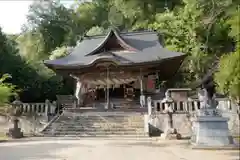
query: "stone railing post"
178, 106
53, 107
47, 107
74, 103
149, 101
196, 105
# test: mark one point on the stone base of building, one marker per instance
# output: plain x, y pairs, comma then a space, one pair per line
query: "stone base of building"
210, 131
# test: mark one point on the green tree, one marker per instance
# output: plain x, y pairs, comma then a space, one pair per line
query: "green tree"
55, 24
6, 89
31, 46
198, 29
228, 77
35, 80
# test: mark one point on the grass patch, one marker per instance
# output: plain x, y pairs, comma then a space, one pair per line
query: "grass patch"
3, 137
238, 139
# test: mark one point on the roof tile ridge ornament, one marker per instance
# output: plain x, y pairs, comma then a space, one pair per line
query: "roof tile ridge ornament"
122, 42
101, 44
139, 32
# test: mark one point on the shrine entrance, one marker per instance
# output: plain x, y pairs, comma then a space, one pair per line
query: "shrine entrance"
106, 84
123, 91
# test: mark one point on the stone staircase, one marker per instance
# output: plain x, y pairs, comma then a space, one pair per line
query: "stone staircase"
95, 124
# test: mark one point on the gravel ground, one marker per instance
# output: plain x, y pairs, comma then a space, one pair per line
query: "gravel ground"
108, 149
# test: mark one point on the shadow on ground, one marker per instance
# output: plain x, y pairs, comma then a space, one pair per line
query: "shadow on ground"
235, 155
36, 151
153, 144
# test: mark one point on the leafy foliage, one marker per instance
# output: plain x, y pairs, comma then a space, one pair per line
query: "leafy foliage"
228, 77
6, 89
59, 52
95, 31
31, 46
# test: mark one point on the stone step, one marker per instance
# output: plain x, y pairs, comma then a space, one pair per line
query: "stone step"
96, 129
95, 133
98, 133
97, 124
100, 117
100, 120
92, 128
103, 120
100, 124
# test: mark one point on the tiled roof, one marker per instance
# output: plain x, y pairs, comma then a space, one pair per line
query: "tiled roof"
145, 45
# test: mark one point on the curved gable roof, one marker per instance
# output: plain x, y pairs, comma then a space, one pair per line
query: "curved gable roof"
107, 38
144, 47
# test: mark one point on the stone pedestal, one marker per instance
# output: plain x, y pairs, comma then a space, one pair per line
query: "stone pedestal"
15, 132
210, 129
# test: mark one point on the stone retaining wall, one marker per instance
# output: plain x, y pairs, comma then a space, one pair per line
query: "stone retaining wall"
182, 122
29, 125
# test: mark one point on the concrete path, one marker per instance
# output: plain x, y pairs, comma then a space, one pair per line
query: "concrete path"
108, 149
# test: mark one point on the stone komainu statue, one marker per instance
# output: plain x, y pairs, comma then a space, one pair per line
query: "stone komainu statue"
207, 93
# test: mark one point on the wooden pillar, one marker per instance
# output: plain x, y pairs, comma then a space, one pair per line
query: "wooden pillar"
78, 91
149, 100
107, 91
142, 96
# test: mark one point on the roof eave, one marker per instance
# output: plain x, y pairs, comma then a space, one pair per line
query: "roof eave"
57, 66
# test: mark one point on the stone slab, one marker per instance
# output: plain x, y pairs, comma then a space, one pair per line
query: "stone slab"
226, 147
211, 132
210, 118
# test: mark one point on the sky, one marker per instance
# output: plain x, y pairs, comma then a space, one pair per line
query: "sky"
13, 14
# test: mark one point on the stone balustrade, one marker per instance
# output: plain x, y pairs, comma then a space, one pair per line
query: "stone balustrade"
180, 106
184, 110
189, 105
37, 108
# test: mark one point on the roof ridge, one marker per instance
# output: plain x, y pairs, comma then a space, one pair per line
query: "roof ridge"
94, 37
121, 33
138, 32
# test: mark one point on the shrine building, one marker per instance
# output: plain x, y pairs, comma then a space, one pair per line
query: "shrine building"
117, 67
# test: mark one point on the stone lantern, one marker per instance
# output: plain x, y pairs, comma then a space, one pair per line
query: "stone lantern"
170, 132
15, 112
